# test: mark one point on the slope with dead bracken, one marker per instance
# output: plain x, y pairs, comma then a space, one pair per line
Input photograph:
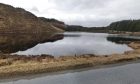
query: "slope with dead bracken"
18, 20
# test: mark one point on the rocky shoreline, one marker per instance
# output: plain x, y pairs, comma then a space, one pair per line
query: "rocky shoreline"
14, 65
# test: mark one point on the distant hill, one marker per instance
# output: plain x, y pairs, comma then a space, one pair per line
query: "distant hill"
119, 26
18, 20
125, 25
85, 29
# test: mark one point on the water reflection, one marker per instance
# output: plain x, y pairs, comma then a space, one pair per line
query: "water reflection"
10, 43
122, 38
77, 44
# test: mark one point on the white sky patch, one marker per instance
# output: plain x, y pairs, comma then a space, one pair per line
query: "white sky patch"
81, 12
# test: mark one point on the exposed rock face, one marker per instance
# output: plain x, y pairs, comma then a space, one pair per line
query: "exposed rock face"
18, 20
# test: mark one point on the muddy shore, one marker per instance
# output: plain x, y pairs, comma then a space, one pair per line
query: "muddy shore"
14, 65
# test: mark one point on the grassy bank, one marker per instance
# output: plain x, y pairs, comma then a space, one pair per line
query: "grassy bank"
12, 66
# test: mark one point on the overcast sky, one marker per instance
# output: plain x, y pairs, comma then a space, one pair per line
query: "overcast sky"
81, 12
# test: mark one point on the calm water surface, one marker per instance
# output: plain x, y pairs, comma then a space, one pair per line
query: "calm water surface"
78, 43
127, 74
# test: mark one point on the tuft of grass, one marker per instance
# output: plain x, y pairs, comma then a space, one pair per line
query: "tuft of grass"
13, 65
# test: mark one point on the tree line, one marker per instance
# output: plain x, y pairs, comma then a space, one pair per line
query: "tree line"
125, 25
119, 26
71, 28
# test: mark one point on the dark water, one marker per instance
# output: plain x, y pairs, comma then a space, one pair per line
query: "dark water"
127, 74
122, 38
11, 42
78, 43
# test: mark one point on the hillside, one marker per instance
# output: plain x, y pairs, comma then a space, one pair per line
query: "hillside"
20, 29
71, 28
125, 25
118, 26
18, 20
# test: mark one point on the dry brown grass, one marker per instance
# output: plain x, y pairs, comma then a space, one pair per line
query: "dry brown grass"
21, 65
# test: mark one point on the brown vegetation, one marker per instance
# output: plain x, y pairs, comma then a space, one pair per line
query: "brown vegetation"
18, 20
20, 29
13, 65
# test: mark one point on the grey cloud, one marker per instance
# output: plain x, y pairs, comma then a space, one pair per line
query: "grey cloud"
91, 23
34, 9
82, 12
79, 4
104, 11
